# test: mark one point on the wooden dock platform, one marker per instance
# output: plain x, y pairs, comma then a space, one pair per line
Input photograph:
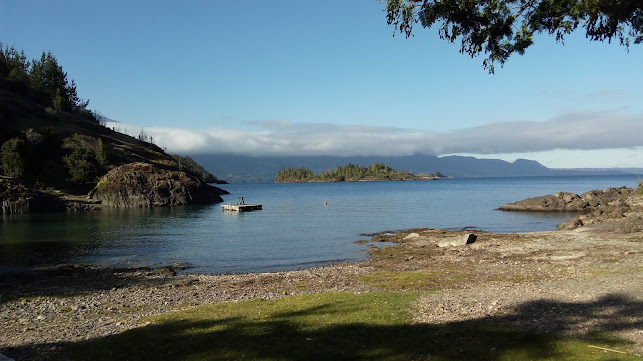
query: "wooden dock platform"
241, 206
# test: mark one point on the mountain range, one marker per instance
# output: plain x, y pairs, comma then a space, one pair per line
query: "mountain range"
242, 168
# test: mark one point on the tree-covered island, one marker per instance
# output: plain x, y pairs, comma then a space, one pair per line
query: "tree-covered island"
351, 173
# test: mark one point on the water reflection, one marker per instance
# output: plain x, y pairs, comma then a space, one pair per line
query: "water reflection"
294, 230
48, 238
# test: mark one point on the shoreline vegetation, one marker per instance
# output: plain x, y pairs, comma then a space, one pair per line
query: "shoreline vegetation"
351, 173
558, 295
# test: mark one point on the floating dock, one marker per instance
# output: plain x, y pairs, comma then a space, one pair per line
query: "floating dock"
241, 206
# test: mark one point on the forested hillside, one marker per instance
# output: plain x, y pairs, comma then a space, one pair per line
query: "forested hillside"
50, 139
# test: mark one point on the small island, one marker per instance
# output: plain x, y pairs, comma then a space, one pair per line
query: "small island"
351, 173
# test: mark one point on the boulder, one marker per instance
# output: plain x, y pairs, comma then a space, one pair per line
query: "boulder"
145, 185
458, 241
411, 236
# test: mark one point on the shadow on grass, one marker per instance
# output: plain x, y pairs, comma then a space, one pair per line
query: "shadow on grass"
76, 279
345, 326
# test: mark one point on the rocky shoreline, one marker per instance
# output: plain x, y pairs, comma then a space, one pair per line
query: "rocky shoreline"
130, 185
593, 207
568, 282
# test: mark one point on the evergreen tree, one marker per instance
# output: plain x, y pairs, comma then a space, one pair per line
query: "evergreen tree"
13, 64
46, 80
49, 80
12, 154
82, 166
87, 160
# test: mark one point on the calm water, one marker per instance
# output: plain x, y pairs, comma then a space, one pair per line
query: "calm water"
294, 230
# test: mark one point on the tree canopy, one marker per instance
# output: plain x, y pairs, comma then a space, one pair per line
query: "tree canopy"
500, 28
45, 78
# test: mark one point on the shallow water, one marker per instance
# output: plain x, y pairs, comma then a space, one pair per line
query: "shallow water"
294, 230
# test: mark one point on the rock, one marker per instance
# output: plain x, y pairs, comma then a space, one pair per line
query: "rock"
145, 185
411, 236
471, 238
570, 197
459, 241
597, 205
559, 202
570, 224
73, 206
571, 202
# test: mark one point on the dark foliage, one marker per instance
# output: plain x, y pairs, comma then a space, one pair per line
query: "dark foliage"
13, 156
500, 28
46, 80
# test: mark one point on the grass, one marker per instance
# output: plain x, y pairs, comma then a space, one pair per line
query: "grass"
332, 326
411, 280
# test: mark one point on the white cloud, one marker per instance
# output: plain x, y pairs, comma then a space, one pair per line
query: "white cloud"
575, 131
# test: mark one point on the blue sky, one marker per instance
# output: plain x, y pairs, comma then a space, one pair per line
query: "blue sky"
328, 77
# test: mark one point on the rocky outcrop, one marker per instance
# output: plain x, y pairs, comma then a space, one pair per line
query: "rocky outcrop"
571, 202
145, 185
597, 205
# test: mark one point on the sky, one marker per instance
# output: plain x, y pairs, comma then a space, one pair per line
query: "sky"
328, 77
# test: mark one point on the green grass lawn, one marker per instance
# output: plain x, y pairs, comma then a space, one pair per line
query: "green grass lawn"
332, 326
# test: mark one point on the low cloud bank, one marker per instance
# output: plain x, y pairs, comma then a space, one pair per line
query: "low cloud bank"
577, 131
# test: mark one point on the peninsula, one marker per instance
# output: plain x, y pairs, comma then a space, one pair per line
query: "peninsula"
351, 173
57, 155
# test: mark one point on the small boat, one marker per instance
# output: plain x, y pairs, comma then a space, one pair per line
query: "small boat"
241, 206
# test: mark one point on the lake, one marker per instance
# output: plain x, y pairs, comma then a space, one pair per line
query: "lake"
294, 230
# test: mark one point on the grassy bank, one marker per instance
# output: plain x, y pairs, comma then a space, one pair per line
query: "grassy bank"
334, 326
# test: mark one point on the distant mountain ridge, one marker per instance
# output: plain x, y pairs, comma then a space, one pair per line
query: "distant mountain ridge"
241, 168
